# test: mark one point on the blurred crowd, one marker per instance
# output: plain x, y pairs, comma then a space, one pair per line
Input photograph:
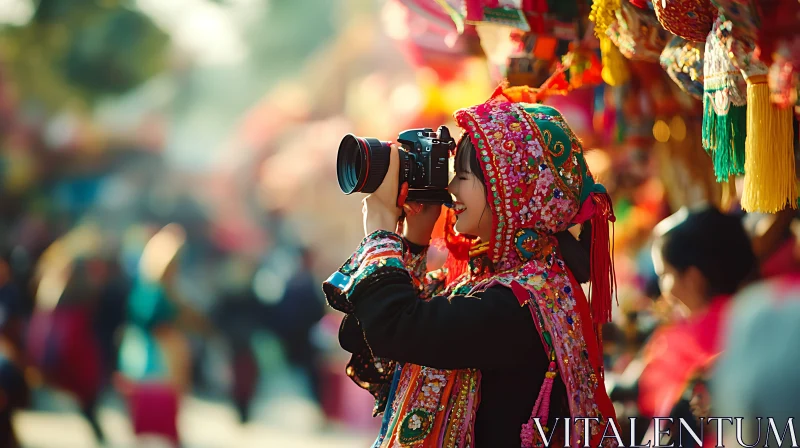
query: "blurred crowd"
89, 310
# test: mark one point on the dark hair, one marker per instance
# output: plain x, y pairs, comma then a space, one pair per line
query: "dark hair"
467, 160
714, 243
576, 253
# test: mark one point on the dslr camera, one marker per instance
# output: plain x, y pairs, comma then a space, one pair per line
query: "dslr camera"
363, 162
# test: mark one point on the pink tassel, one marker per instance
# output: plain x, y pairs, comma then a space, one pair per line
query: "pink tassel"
541, 408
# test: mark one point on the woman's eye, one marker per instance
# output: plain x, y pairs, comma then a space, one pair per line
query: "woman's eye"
462, 177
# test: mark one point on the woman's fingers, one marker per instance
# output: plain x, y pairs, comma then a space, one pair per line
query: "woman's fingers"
388, 190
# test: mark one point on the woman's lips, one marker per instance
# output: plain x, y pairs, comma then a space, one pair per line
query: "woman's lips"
458, 208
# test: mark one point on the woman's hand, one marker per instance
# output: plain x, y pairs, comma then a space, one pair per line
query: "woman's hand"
420, 221
380, 208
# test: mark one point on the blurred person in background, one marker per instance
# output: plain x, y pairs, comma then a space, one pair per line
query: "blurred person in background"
14, 393
294, 317
452, 358
775, 242
757, 375
61, 340
239, 314
703, 257
155, 358
109, 316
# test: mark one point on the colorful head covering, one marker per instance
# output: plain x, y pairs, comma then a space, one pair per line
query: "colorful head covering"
538, 184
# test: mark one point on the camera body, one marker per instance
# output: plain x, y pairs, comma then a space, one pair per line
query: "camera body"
425, 162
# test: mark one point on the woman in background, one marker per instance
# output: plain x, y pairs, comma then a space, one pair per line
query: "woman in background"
61, 340
155, 357
703, 258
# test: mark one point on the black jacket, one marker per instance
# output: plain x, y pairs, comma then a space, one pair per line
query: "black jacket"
489, 331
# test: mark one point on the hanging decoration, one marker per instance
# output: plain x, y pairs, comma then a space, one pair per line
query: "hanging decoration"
683, 62
724, 107
770, 182
637, 33
779, 47
689, 19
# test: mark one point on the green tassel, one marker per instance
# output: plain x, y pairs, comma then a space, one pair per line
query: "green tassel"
724, 138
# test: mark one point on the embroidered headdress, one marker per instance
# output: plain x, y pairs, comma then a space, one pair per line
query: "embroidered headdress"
538, 184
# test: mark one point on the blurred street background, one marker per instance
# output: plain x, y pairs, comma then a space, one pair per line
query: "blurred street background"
168, 186
120, 117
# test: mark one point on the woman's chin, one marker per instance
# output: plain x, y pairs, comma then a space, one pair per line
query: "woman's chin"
462, 229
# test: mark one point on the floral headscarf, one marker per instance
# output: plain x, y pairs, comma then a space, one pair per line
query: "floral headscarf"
538, 184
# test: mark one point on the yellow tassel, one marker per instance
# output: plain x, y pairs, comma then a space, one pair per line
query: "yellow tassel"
770, 181
603, 14
615, 69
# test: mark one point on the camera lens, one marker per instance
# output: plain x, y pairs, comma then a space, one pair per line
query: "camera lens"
361, 164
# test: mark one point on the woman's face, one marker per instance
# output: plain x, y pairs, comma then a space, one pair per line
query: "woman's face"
685, 287
473, 215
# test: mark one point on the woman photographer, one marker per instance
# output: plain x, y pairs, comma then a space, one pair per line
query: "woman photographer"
474, 354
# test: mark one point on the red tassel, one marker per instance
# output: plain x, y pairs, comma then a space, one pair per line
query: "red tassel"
603, 277
457, 262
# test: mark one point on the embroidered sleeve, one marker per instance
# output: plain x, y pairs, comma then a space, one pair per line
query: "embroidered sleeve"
434, 283
381, 255
428, 284
416, 261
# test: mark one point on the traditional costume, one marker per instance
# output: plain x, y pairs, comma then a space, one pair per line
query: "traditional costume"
458, 357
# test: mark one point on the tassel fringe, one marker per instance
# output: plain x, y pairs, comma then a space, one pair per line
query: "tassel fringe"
615, 69
770, 182
724, 138
603, 277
